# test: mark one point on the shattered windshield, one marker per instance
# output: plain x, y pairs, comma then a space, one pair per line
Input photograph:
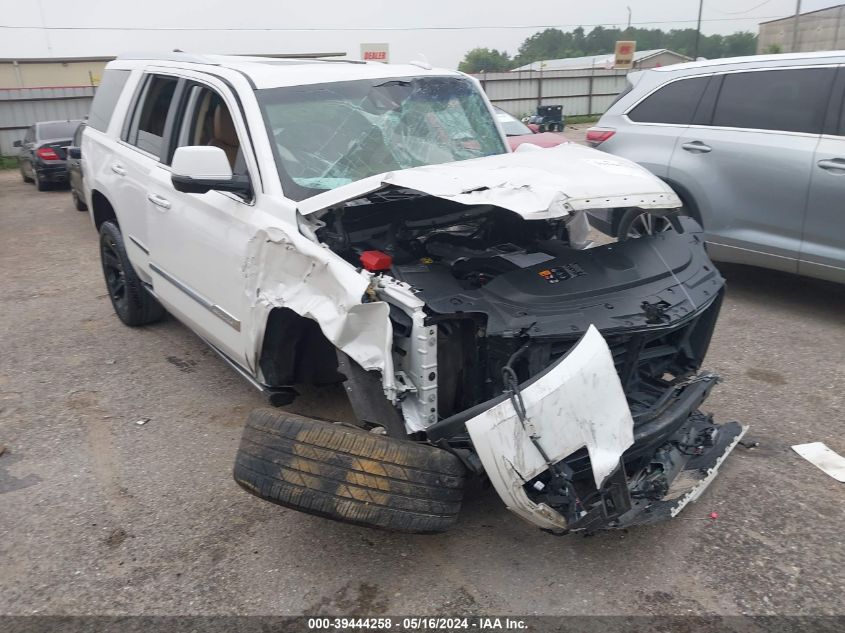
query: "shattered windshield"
328, 135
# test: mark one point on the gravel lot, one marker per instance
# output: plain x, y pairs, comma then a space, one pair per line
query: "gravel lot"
99, 515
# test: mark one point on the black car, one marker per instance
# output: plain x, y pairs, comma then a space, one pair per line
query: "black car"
74, 169
43, 152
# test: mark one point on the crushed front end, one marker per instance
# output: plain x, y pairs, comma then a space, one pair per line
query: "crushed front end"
589, 367
569, 374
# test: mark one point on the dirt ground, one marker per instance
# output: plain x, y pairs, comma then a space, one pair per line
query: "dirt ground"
100, 515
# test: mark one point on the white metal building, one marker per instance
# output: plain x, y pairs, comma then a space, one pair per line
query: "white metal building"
642, 59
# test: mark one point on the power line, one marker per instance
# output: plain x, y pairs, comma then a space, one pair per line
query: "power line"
756, 6
353, 28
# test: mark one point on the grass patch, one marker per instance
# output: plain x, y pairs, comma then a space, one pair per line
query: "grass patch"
582, 118
8, 162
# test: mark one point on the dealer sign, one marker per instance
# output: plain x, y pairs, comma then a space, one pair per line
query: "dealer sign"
624, 54
375, 53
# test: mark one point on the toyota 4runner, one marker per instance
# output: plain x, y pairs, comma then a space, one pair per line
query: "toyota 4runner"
360, 223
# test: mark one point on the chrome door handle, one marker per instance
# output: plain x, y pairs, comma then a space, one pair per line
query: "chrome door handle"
118, 169
697, 147
836, 165
162, 203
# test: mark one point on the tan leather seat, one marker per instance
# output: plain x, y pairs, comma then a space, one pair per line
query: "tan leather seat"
225, 136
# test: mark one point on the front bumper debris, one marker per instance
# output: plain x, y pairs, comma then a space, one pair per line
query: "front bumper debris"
639, 474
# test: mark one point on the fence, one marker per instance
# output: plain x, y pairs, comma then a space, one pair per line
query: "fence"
586, 91
21, 107
580, 92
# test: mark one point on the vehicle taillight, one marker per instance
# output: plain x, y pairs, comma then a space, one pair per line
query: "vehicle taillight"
596, 135
47, 153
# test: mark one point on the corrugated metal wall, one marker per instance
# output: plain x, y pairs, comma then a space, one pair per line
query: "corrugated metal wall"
21, 107
578, 91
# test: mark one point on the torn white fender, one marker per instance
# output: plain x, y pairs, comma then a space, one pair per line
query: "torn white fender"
536, 183
313, 282
577, 403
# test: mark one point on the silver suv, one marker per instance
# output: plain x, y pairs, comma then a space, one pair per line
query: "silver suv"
755, 147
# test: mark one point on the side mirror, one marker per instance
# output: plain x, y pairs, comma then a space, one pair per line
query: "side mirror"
201, 168
74, 152
17, 144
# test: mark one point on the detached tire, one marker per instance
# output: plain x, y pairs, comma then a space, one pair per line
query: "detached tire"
349, 475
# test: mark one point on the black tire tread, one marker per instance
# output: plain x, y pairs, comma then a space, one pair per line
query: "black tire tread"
349, 475
77, 202
141, 308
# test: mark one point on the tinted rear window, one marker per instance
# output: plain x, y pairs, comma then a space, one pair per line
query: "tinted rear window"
57, 129
106, 98
150, 118
792, 100
674, 103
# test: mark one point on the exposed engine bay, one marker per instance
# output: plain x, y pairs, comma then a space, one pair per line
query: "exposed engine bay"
507, 299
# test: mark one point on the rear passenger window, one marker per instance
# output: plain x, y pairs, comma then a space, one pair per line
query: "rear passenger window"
108, 92
674, 103
792, 100
147, 129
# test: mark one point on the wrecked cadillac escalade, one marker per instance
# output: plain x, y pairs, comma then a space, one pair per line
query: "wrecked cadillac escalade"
365, 224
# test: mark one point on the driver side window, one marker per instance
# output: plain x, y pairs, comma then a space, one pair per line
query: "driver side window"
206, 120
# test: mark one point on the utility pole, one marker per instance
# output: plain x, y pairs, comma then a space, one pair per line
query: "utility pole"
629, 18
795, 27
698, 29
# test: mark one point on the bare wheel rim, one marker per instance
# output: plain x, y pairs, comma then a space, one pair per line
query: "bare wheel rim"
115, 276
648, 224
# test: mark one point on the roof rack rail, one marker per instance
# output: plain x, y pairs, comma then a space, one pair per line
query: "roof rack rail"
173, 56
331, 58
217, 60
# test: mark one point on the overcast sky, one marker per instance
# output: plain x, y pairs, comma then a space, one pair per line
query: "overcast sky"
109, 27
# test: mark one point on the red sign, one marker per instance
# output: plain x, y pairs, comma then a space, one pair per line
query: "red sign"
376, 52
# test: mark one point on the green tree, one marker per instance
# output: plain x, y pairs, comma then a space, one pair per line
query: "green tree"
485, 60
742, 43
557, 44
547, 44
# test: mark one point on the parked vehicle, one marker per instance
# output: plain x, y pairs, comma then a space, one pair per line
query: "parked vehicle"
42, 156
547, 119
398, 247
755, 147
518, 133
75, 170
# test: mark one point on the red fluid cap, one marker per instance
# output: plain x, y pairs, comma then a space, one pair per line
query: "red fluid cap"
376, 260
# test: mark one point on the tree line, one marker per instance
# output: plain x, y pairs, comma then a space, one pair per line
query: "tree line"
557, 44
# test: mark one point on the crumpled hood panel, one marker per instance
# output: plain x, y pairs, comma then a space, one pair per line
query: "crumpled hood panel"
536, 183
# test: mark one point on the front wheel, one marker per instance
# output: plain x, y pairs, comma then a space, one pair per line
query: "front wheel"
636, 223
130, 300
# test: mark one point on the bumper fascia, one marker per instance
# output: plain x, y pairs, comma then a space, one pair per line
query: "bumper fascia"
578, 402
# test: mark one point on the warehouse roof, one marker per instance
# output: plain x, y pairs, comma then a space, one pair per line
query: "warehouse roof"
592, 61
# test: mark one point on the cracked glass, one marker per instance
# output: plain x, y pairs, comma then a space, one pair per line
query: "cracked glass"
328, 135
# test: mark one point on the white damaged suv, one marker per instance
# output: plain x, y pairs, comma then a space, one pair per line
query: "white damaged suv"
361, 223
